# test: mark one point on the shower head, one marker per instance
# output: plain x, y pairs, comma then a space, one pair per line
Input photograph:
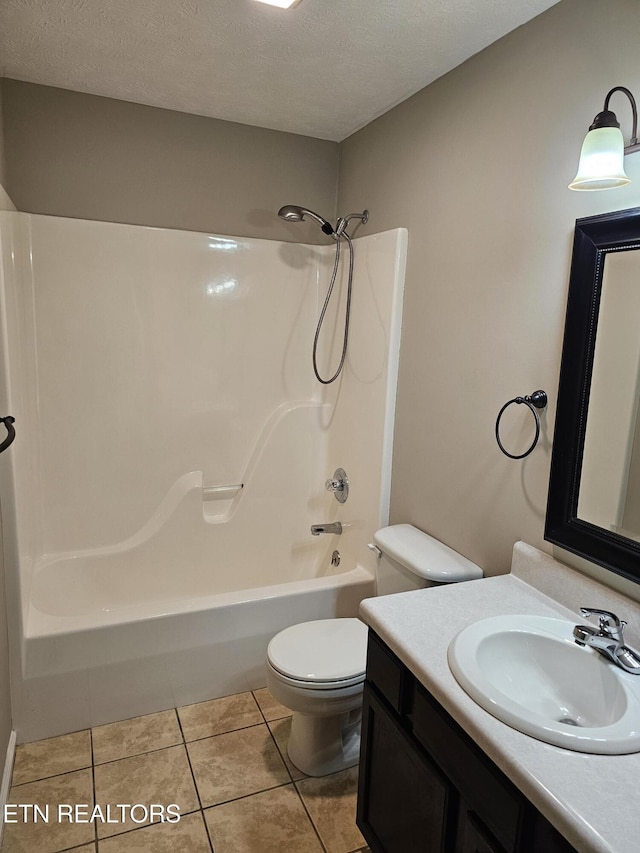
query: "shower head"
295, 213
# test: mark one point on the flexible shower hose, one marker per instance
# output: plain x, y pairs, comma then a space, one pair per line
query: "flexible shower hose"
336, 266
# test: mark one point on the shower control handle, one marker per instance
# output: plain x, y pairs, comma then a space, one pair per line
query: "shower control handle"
339, 485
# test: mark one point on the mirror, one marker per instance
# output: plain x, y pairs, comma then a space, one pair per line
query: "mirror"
594, 489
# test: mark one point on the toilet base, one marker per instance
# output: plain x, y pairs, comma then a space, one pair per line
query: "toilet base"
322, 745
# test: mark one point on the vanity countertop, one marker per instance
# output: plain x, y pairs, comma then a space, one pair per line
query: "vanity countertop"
593, 800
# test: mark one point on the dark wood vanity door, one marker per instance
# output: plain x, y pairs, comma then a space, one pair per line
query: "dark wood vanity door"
404, 802
473, 836
485, 789
425, 786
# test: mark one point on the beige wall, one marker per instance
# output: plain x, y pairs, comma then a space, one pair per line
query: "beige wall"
5, 696
476, 167
70, 154
2, 163
5, 201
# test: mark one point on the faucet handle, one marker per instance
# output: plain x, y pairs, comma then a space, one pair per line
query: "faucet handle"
608, 622
339, 485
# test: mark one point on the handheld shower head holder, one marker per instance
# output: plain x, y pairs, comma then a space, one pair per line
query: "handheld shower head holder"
295, 213
344, 221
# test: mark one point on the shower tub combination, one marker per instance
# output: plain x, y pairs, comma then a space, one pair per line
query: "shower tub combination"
171, 455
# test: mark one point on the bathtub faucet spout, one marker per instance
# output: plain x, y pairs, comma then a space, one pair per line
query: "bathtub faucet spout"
317, 529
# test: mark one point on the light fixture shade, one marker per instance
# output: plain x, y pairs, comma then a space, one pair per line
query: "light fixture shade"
601, 164
281, 4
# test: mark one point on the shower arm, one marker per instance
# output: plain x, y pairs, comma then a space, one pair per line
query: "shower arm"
344, 221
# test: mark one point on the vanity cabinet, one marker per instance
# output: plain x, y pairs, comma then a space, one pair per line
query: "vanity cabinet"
425, 786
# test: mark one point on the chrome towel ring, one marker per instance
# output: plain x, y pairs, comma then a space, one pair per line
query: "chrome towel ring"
535, 401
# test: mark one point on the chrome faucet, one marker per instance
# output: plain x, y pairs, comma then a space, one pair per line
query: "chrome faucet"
607, 639
335, 527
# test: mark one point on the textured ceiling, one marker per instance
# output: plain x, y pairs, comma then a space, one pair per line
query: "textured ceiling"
324, 69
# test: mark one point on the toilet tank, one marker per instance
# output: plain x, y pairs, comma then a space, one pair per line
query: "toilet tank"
410, 559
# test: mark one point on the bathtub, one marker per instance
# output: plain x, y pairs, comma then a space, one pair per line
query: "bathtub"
183, 609
84, 666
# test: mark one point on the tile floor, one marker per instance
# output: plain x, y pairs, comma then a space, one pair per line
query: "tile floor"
223, 762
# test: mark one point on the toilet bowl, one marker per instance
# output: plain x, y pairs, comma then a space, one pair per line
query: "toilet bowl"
317, 669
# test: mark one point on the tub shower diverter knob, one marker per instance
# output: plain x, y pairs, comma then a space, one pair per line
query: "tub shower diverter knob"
339, 485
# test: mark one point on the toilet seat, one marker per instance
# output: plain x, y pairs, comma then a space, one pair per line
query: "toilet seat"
324, 654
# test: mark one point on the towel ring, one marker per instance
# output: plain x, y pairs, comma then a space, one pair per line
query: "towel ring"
535, 401
8, 421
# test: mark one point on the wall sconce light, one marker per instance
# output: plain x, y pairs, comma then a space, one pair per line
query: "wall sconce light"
601, 159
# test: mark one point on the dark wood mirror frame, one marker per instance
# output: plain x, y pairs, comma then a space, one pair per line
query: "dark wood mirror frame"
594, 238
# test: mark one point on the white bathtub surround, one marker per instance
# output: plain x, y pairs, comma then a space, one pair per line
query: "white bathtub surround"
579, 793
172, 451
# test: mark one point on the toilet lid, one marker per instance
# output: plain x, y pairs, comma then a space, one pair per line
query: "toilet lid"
321, 651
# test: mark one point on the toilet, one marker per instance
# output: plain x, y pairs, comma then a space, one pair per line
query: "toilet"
317, 669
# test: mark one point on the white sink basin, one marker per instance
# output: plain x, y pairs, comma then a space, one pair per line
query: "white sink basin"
528, 672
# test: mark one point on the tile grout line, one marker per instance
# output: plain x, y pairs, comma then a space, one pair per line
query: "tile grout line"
54, 776
262, 714
245, 796
206, 829
193, 777
75, 847
282, 758
139, 828
138, 754
293, 783
93, 782
133, 829
218, 734
104, 763
295, 788
304, 806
